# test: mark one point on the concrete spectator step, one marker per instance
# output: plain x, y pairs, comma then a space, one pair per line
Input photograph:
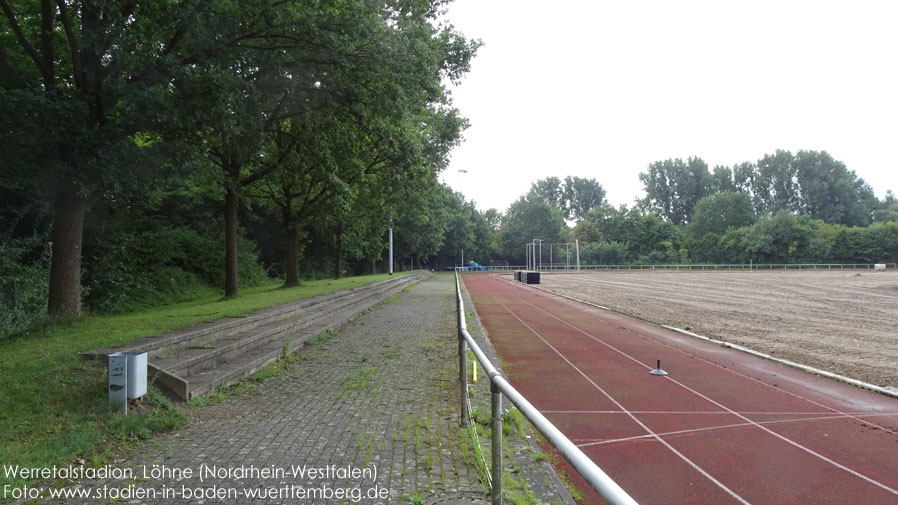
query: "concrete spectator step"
188, 362
219, 347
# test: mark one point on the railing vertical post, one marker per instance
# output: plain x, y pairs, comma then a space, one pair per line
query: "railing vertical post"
463, 377
462, 357
496, 424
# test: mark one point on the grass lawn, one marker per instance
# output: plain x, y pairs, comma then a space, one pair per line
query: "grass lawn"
53, 403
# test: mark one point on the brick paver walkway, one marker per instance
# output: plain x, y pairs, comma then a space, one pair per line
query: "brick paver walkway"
373, 409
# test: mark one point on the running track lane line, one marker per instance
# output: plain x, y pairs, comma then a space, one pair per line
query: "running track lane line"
831, 413
648, 430
858, 417
709, 428
706, 398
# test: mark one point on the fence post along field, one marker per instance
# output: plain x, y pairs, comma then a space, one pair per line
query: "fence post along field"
594, 476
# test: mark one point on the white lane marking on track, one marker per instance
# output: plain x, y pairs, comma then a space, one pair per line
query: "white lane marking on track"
862, 417
718, 404
711, 428
633, 417
834, 414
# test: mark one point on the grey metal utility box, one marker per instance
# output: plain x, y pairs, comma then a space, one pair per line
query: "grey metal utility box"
118, 382
137, 373
127, 378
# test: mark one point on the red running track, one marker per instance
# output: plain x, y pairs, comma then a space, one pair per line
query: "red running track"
722, 428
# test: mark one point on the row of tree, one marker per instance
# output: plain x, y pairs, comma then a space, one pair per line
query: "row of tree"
159, 144
809, 182
785, 208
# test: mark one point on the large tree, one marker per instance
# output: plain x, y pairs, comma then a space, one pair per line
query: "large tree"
721, 211
674, 186
581, 195
550, 190
722, 179
830, 192
92, 91
808, 182
887, 209
530, 217
640, 232
85, 91
574, 197
774, 185
379, 117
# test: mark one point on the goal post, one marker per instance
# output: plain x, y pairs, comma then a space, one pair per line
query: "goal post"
555, 252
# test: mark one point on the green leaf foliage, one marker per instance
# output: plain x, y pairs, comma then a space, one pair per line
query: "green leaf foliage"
530, 217
721, 211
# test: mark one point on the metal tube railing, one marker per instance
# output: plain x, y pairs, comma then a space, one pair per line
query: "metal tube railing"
591, 473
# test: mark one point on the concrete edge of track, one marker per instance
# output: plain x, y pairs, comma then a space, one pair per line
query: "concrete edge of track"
887, 391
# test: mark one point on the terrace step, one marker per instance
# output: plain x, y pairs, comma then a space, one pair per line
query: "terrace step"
188, 362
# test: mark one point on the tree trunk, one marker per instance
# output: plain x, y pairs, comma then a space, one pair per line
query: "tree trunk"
291, 260
65, 266
338, 253
231, 289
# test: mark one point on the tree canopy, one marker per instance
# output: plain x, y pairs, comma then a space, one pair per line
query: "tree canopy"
721, 211
530, 217
809, 182
313, 113
574, 197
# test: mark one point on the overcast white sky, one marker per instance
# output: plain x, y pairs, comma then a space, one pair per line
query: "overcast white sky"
602, 89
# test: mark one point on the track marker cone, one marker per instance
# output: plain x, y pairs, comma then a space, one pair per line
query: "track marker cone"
658, 370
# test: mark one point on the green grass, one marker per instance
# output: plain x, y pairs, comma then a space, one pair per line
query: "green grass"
356, 382
516, 490
473, 453
396, 296
217, 394
515, 418
53, 403
321, 337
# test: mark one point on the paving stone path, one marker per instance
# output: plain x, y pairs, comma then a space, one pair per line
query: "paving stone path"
373, 409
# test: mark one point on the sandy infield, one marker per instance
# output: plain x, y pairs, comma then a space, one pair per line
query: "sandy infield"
841, 321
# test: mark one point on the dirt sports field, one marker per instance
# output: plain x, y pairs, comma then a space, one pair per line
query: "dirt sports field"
845, 322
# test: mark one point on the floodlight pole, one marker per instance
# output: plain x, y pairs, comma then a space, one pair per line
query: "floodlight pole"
577, 243
391, 250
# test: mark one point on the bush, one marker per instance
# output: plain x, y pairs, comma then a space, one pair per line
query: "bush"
877, 243
151, 263
24, 282
604, 253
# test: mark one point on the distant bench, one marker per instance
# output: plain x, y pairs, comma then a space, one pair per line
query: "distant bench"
189, 361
